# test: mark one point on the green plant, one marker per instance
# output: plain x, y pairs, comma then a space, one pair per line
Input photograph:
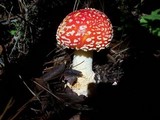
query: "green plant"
152, 22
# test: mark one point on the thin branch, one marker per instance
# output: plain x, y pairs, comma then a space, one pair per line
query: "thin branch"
22, 108
76, 4
8, 106
48, 91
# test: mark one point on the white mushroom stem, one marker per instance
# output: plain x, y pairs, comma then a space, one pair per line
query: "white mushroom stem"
82, 61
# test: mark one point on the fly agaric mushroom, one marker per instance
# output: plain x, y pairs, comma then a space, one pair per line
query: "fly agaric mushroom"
85, 30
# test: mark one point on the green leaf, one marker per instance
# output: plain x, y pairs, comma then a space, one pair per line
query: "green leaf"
155, 12
158, 34
152, 17
147, 20
13, 32
155, 15
156, 31
142, 20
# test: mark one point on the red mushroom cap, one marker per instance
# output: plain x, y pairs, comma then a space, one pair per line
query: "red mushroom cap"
85, 29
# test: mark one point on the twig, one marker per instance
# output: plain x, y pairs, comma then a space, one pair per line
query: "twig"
48, 91
75, 7
9, 104
21, 108
28, 88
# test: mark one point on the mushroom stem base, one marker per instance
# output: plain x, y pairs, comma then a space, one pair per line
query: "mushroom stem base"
82, 84
82, 61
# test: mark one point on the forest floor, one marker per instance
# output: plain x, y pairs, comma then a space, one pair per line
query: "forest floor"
33, 68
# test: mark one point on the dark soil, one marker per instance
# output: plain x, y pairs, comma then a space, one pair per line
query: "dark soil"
29, 91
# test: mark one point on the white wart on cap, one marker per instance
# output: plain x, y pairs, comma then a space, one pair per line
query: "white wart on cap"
85, 29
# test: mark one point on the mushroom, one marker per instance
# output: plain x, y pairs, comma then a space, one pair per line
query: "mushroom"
85, 30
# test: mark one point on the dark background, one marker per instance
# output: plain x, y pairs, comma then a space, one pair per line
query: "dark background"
136, 96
